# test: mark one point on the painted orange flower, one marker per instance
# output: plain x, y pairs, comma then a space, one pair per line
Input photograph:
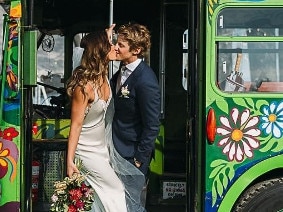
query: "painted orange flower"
8, 158
4, 153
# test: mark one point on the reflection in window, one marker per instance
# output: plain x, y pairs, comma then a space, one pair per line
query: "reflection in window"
50, 69
77, 50
249, 64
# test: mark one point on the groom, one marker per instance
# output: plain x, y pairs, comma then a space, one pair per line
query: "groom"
136, 96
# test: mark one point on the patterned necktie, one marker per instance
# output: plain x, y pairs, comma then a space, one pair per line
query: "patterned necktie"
119, 82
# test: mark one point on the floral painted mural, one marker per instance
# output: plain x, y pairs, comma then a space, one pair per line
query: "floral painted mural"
9, 153
247, 133
10, 141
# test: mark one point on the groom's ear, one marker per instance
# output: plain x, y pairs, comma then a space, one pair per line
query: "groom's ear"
136, 51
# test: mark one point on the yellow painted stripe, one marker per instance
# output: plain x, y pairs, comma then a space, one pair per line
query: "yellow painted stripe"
210, 10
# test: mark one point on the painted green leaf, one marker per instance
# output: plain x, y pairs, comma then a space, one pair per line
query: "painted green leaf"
279, 147
231, 172
264, 140
215, 171
271, 144
219, 186
268, 146
225, 181
259, 103
217, 162
223, 105
250, 102
240, 101
213, 194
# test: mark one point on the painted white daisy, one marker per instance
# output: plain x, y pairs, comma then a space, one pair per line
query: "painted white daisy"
272, 119
239, 134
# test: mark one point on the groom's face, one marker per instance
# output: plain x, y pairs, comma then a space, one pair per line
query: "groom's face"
123, 52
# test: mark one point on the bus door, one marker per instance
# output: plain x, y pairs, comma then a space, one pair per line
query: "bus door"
168, 183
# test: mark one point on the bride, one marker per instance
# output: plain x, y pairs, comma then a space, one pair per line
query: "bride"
90, 96
113, 178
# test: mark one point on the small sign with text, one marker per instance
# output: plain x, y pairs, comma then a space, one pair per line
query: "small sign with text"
172, 190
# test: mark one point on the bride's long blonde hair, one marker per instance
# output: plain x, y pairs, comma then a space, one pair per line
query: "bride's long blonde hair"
94, 63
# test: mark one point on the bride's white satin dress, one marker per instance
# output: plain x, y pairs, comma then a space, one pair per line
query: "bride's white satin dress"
92, 150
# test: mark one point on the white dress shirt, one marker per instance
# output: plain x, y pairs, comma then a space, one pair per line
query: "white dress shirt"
128, 70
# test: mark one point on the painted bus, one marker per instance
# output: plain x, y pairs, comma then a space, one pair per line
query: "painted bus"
220, 146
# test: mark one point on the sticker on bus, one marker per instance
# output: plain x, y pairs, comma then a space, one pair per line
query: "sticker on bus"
174, 190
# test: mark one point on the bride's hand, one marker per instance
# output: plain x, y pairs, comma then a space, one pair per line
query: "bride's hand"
110, 32
71, 169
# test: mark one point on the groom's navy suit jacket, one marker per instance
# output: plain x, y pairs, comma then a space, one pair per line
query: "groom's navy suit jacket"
136, 119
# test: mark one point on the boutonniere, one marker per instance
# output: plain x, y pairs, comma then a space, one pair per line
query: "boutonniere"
125, 92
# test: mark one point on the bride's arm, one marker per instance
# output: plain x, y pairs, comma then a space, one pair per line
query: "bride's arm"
79, 104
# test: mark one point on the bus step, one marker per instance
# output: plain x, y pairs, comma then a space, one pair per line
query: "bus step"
172, 190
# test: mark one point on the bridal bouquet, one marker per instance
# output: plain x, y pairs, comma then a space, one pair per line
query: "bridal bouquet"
72, 195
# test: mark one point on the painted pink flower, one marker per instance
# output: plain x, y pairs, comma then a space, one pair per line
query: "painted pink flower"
239, 134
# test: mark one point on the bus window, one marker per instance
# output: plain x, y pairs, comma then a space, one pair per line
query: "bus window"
264, 20
258, 64
77, 50
49, 95
252, 63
